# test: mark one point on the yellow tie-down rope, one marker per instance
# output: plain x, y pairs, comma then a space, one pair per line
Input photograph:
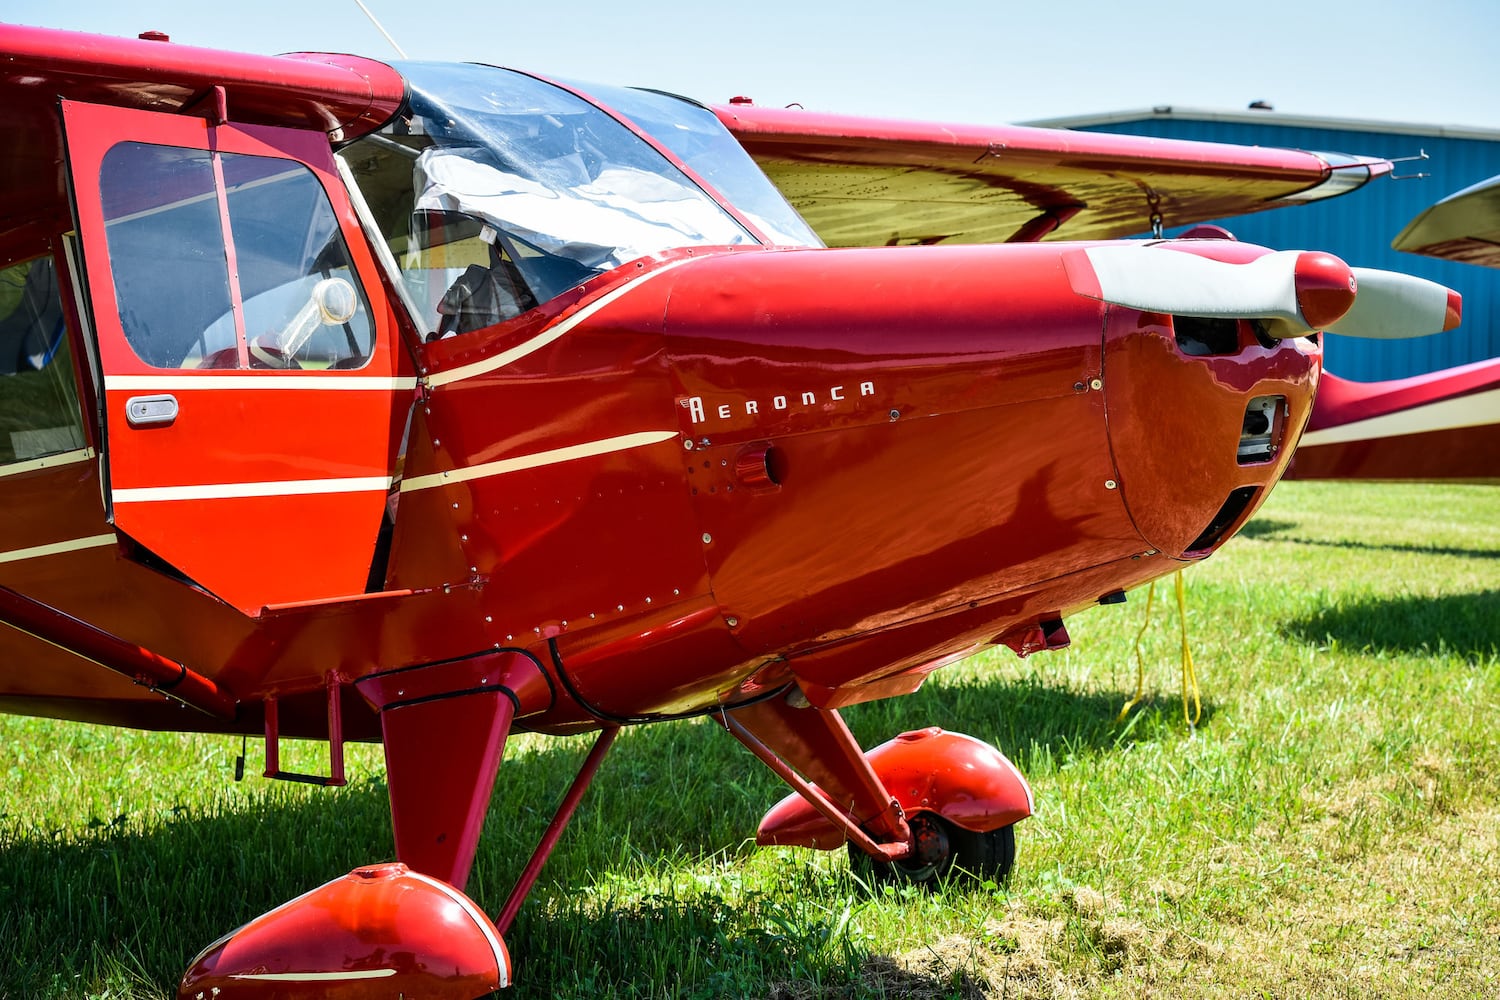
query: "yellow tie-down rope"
1189, 672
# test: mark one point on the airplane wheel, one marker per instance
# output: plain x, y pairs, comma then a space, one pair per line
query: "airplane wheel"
943, 848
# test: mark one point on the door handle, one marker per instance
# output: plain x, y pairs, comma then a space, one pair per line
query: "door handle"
151, 411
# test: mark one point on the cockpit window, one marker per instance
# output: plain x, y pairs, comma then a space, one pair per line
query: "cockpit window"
293, 302
498, 192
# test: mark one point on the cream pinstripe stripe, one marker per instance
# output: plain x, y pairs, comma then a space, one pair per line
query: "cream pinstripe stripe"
235, 491
258, 380
549, 335
57, 548
554, 457
47, 462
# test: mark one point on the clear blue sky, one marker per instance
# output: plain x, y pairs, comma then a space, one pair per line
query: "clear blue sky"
981, 61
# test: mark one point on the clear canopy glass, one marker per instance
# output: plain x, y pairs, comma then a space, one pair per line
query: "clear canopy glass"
498, 191
695, 136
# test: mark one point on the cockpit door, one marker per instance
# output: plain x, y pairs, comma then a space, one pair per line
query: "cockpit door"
254, 392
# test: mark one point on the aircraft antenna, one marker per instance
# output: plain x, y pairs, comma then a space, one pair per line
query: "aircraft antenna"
381, 28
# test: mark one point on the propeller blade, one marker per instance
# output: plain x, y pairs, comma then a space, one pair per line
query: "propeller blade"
1392, 306
1300, 291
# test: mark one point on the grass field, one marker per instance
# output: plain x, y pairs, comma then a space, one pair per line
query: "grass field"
1330, 829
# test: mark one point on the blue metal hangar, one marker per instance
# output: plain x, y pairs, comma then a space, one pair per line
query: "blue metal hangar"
1358, 227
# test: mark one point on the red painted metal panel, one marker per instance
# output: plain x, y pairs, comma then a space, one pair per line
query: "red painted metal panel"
1343, 401
552, 483
148, 669
378, 932
881, 445
1175, 422
1461, 454
293, 478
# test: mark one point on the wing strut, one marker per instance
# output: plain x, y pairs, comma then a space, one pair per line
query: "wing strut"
150, 670
555, 828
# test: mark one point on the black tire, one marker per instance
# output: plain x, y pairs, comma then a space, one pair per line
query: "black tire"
946, 849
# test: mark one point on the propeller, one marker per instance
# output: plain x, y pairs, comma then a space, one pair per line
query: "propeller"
1297, 291
1393, 306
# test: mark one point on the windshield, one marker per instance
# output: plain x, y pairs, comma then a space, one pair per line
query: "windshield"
497, 192
696, 136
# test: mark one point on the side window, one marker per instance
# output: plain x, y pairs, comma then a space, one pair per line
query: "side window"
456, 273
291, 300
39, 411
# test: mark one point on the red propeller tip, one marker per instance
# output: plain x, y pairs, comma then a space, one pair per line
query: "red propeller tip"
1455, 313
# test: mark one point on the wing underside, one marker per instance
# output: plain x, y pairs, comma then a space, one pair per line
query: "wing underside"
867, 182
1464, 227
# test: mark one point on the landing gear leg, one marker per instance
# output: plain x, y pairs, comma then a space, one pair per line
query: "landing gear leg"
441, 759
406, 929
813, 751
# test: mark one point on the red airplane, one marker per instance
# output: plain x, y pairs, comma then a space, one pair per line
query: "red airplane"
424, 403
1444, 425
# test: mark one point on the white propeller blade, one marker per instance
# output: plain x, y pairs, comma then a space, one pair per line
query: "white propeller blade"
1302, 290
1392, 306
1184, 284
1299, 291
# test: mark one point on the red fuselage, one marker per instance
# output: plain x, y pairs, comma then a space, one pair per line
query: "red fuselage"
734, 470
703, 474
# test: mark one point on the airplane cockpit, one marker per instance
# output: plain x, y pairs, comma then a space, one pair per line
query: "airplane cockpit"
496, 191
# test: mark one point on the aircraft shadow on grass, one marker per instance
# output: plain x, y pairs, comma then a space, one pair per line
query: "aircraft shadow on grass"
666, 792
1270, 528
1467, 625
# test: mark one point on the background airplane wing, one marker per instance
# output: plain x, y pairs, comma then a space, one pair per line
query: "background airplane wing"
870, 182
1464, 226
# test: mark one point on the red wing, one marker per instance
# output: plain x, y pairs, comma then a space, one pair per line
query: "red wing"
868, 182
40, 65
1463, 226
